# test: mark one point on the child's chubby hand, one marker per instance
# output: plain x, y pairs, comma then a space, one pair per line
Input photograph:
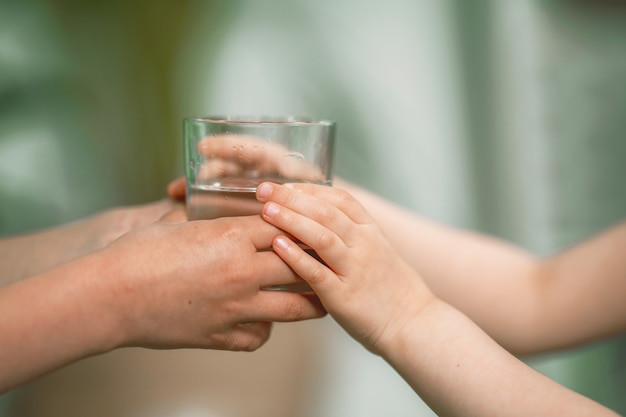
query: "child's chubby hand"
365, 285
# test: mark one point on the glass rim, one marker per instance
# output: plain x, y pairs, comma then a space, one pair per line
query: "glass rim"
260, 120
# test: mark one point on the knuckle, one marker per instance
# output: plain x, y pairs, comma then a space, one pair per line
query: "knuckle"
285, 218
324, 239
252, 344
344, 197
239, 338
317, 273
294, 310
325, 214
286, 197
287, 310
231, 233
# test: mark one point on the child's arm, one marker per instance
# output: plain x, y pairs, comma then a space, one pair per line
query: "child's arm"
525, 303
384, 304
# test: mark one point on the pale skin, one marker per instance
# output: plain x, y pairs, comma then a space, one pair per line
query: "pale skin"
164, 285
384, 303
31, 253
526, 303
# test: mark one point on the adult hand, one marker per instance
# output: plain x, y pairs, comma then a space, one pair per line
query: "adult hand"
199, 284
171, 284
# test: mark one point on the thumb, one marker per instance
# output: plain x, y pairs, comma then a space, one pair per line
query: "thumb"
177, 188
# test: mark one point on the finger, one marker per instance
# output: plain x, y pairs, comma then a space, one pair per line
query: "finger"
324, 240
242, 150
316, 274
266, 157
271, 271
307, 205
294, 168
239, 147
246, 337
256, 230
177, 188
214, 169
305, 195
285, 306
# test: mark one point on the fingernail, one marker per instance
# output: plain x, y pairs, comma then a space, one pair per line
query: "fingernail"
263, 191
280, 242
271, 209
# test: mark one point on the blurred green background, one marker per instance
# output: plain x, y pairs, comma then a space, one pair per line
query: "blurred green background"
501, 116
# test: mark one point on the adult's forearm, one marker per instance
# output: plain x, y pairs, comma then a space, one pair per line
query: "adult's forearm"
53, 319
33, 253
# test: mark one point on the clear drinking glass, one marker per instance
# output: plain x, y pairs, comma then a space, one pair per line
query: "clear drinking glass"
227, 157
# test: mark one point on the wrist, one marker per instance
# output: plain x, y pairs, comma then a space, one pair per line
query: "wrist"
435, 336
102, 313
413, 314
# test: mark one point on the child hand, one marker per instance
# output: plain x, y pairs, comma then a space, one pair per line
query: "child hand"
365, 285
